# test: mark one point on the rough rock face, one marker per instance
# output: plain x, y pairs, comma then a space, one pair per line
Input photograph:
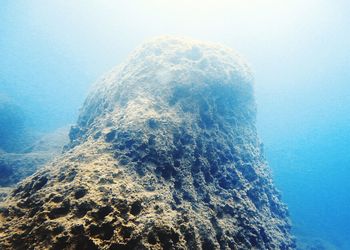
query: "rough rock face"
164, 156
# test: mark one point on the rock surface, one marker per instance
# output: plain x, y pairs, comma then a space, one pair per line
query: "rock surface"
164, 155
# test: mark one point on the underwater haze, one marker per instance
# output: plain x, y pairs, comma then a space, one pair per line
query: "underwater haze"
51, 52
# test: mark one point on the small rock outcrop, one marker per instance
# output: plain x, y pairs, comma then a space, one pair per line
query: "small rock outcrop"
164, 155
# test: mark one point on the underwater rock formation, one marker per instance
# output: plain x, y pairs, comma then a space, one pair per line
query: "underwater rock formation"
22, 150
18, 165
164, 155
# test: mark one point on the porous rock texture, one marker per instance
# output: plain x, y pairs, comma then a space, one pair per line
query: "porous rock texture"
164, 155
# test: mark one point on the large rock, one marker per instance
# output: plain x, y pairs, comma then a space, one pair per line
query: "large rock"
165, 155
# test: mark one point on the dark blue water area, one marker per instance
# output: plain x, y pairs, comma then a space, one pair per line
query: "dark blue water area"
312, 172
304, 123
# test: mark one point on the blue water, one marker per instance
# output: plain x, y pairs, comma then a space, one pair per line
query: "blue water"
52, 51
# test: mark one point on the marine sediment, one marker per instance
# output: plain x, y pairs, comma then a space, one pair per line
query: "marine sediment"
165, 155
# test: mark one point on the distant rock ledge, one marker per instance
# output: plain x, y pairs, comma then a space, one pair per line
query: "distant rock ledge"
164, 155
15, 166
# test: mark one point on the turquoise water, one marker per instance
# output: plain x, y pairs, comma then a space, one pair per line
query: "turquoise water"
310, 162
51, 52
